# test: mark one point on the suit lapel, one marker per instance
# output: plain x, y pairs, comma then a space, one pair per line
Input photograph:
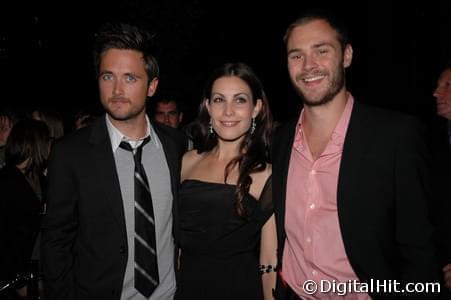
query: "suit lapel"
169, 149
281, 162
358, 139
354, 148
106, 173
171, 153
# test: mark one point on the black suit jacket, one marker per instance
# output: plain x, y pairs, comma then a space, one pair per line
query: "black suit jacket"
84, 240
383, 187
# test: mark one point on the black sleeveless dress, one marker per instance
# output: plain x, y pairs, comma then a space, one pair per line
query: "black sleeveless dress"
220, 256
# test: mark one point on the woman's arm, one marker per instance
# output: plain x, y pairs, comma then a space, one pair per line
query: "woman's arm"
268, 257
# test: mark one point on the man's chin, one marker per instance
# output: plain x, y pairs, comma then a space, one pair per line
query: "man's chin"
316, 102
120, 116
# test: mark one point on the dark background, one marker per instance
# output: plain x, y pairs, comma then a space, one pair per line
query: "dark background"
45, 50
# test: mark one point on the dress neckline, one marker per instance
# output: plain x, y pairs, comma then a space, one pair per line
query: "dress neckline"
208, 182
217, 183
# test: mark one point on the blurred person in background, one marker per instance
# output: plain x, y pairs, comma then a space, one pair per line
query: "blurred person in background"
7, 120
53, 119
21, 187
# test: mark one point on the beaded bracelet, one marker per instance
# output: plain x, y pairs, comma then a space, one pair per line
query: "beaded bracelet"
266, 269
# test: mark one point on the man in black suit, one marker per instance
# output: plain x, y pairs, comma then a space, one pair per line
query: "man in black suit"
349, 181
88, 235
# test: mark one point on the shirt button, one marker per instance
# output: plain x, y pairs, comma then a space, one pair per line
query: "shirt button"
314, 272
308, 240
122, 249
313, 172
312, 206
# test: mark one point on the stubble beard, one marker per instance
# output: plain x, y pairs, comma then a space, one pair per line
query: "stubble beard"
337, 83
124, 116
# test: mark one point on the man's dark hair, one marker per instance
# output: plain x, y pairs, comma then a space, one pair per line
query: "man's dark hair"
126, 37
166, 98
334, 21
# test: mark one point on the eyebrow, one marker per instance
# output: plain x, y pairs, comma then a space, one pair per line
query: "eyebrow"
322, 44
315, 46
131, 74
234, 95
105, 72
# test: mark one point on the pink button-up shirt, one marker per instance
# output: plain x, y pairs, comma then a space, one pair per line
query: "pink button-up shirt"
314, 247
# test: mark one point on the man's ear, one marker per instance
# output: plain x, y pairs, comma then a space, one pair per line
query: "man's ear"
152, 87
347, 57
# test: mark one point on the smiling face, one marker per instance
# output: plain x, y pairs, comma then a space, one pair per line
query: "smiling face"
442, 94
123, 84
231, 107
316, 62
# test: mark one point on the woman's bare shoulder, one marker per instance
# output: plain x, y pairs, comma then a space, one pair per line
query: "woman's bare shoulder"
190, 159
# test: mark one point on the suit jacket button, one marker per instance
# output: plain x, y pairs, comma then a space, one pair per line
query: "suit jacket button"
121, 249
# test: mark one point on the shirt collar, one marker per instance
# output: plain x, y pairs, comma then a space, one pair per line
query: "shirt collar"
117, 137
339, 133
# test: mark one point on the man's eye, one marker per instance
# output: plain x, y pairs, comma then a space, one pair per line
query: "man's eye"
107, 77
295, 57
130, 78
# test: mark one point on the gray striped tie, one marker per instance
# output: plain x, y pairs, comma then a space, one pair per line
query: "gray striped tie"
146, 267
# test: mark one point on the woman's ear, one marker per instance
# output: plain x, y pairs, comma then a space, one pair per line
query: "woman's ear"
207, 104
257, 108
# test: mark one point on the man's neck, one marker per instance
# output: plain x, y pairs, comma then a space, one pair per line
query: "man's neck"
135, 128
324, 118
320, 121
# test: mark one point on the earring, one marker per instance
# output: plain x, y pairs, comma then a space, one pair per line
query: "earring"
210, 127
253, 125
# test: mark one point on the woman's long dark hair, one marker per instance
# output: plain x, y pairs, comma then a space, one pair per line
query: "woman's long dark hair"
29, 139
255, 147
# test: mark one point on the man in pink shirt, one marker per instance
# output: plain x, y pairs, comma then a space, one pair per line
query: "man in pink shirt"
350, 184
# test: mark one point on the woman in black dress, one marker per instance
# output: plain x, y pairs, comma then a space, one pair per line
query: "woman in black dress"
228, 236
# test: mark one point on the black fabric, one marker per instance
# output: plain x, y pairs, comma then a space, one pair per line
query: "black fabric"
219, 257
146, 266
19, 222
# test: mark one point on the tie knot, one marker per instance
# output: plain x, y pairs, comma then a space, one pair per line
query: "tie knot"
136, 151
